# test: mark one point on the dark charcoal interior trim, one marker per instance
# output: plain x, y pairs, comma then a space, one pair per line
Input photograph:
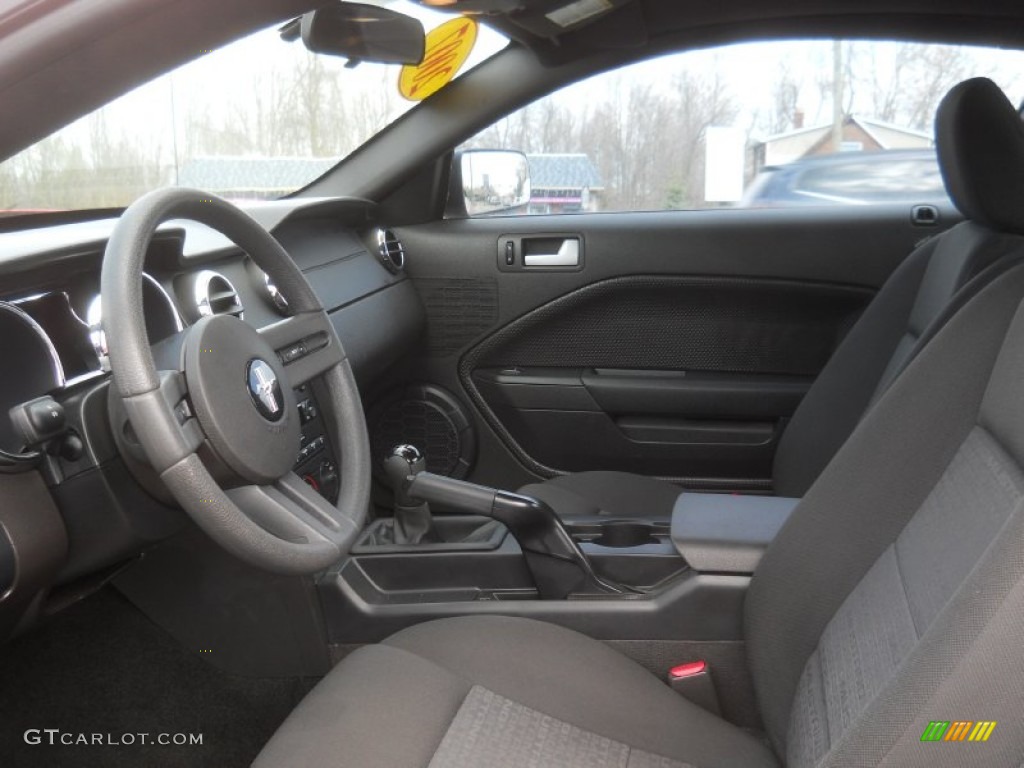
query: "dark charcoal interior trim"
480, 354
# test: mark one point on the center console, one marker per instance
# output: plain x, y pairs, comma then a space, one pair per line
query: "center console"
475, 558
508, 554
727, 533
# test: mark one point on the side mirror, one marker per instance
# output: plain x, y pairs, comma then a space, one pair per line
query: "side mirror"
492, 181
360, 32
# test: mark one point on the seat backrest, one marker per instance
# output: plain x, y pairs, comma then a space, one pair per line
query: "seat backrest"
894, 595
914, 302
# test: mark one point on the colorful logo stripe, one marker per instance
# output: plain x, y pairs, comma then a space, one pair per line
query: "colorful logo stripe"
958, 730
982, 730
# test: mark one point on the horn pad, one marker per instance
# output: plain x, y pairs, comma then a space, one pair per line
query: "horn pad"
242, 398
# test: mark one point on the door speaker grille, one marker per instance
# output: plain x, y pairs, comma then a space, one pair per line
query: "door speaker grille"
433, 420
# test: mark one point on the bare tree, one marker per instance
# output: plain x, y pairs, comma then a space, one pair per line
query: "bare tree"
558, 129
909, 90
649, 144
784, 103
704, 102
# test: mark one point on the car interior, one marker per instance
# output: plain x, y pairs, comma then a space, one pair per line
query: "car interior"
397, 466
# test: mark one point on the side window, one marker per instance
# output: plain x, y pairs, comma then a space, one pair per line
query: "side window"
763, 125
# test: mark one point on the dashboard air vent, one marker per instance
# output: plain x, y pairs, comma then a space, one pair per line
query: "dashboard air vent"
215, 295
390, 251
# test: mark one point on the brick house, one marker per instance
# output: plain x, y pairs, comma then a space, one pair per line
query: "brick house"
859, 135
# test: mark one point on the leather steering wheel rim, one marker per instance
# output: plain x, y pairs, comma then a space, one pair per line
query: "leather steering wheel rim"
266, 515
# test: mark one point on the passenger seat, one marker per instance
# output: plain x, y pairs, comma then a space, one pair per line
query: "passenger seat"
976, 133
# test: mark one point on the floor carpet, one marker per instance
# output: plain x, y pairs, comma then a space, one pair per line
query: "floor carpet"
102, 670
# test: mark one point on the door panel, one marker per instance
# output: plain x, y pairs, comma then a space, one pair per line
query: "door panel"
644, 421
737, 325
676, 372
677, 347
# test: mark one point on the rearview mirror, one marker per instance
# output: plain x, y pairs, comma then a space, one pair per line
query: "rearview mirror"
360, 32
494, 181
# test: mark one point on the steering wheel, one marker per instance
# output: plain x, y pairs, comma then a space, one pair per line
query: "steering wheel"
231, 400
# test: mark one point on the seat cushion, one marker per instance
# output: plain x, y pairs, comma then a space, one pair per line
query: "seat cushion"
617, 494
517, 691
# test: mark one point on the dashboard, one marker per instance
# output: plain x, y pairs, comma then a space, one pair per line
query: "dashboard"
52, 343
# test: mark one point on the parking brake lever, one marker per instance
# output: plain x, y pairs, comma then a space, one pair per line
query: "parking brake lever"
558, 565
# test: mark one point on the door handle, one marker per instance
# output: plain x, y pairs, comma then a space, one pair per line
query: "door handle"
541, 252
567, 255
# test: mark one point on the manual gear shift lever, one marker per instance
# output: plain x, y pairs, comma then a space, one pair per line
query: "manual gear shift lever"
558, 566
413, 521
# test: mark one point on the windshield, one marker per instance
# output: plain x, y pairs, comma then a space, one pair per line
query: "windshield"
254, 120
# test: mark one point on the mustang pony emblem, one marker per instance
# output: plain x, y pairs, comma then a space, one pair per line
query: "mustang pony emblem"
264, 389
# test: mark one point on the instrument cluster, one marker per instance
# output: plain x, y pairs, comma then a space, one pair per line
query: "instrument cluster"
55, 339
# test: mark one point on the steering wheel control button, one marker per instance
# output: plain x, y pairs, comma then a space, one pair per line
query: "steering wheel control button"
293, 353
315, 342
265, 389
302, 348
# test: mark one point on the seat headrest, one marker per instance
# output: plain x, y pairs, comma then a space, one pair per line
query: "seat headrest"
980, 138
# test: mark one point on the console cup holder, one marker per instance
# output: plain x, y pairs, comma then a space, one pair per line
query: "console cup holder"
625, 534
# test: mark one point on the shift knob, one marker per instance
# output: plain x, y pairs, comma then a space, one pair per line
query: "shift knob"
412, 519
412, 455
403, 461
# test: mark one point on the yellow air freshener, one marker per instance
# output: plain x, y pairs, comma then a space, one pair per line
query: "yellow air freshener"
446, 50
